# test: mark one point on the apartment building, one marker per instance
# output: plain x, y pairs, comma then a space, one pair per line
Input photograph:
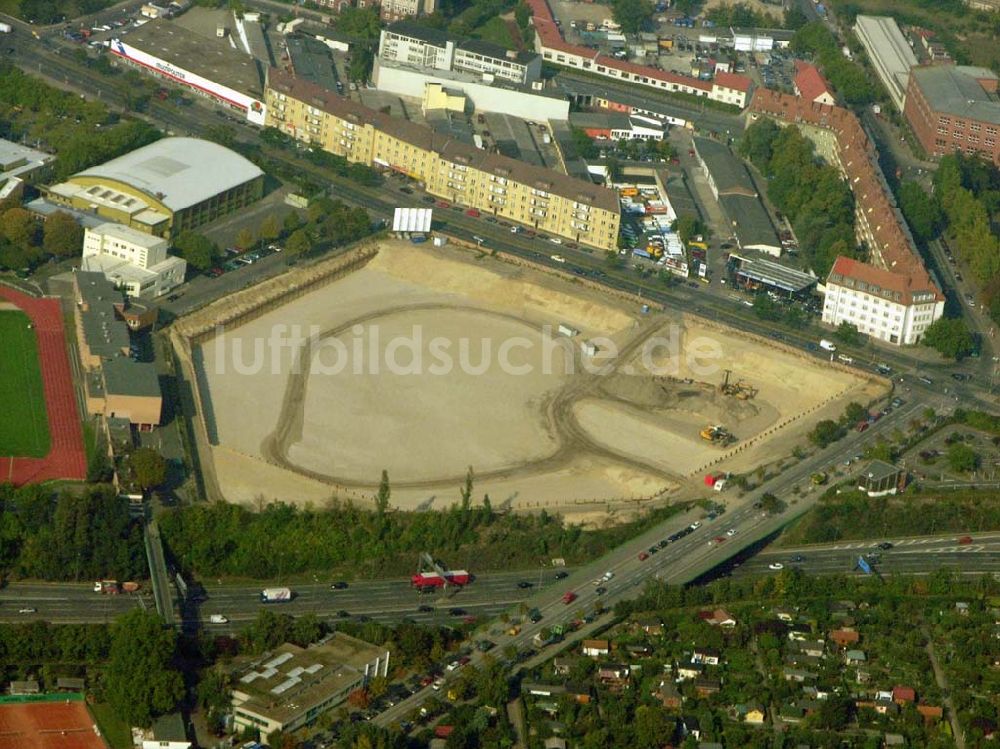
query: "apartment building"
460, 173
132, 260
880, 303
393, 10
408, 43
892, 297
954, 108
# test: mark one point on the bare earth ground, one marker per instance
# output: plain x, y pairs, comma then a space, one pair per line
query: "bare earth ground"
553, 434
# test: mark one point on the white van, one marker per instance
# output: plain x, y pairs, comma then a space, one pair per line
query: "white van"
218, 619
827, 345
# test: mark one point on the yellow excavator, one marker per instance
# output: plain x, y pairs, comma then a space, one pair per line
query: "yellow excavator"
717, 435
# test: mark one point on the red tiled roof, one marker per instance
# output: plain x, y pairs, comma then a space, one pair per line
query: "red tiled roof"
903, 694
892, 247
809, 82
733, 80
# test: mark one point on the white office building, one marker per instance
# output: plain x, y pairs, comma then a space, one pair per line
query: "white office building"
422, 47
132, 260
890, 306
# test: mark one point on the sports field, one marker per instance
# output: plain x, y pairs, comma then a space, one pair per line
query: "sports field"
24, 430
64, 724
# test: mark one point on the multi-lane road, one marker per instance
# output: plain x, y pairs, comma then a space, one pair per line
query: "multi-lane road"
971, 553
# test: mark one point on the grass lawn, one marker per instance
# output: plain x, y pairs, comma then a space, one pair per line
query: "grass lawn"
113, 729
495, 30
24, 430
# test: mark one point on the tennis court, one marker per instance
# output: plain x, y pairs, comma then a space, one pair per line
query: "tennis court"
62, 724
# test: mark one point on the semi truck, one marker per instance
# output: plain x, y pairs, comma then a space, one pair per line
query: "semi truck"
432, 580
276, 595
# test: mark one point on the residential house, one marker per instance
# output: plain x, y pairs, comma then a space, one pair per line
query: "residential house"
718, 618
668, 695
596, 648
751, 713
639, 650
902, 695
784, 614
893, 739
687, 671
799, 633
962, 608
798, 674
555, 742
812, 648
579, 693
543, 690
817, 692
863, 676
688, 725
705, 685
932, 713
614, 676
855, 657
706, 656
791, 712
651, 626
844, 637
562, 666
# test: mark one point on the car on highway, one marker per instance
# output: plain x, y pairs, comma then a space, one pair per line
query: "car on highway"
453, 665
798, 559
643, 556
438, 683
557, 258
965, 540
607, 576
776, 566
523, 584
717, 540
441, 204
555, 240
535, 615
218, 619
653, 550
695, 525
561, 575
568, 597
339, 585
27, 610
406, 190
731, 532
424, 609
600, 590
427, 199
344, 614
472, 213
885, 546
456, 612
664, 543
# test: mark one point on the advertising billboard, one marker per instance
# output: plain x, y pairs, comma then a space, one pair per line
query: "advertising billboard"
254, 108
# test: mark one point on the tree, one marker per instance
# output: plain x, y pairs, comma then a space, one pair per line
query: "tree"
962, 458
270, 228
62, 235
770, 503
847, 333
359, 698
632, 14
688, 226
244, 238
826, 432
360, 22
950, 337
149, 467
795, 19
140, 682
18, 226
299, 242
384, 492
200, 252
921, 211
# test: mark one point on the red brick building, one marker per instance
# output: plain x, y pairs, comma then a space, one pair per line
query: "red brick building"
954, 108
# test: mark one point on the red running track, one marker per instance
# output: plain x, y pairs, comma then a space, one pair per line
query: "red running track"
67, 458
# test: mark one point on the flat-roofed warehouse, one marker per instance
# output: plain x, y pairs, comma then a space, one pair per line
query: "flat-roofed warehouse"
291, 686
165, 188
183, 52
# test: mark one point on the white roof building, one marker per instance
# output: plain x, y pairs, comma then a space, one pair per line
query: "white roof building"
179, 172
132, 260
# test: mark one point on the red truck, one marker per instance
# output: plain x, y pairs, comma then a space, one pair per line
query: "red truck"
432, 580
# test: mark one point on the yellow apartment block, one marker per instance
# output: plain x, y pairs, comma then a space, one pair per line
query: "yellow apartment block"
503, 187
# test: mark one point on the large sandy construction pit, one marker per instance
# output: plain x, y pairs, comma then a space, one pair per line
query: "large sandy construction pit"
426, 362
